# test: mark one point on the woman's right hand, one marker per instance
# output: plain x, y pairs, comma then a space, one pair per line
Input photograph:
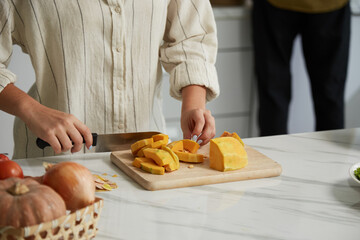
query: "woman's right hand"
62, 131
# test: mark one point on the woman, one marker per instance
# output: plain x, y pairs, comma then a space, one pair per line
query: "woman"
98, 67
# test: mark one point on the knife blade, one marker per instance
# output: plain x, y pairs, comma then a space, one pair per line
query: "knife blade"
110, 142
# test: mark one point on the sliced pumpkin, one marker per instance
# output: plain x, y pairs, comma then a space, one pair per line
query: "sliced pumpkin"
173, 165
140, 153
185, 145
137, 161
190, 145
135, 147
161, 137
234, 135
159, 143
226, 154
176, 146
190, 157
152, 168
161, 157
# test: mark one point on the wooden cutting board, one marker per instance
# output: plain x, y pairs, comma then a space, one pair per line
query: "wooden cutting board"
260, 166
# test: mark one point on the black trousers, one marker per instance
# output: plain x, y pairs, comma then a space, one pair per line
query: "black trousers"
325, 42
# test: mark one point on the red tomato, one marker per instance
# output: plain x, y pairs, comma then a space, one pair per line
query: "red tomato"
3, 157
10, 169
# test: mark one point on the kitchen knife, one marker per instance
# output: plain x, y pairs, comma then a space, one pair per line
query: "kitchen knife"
110, 142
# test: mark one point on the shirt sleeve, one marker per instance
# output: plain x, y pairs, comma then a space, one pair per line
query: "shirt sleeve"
189, 50
6, 44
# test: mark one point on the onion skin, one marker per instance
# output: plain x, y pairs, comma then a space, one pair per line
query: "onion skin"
73, 182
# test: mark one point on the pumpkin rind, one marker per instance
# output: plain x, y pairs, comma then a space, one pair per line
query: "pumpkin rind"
39, 204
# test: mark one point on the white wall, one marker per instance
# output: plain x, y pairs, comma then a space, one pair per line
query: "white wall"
21, 65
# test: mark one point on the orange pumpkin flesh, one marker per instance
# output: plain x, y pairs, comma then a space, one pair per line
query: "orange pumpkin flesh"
25, 202
226, 154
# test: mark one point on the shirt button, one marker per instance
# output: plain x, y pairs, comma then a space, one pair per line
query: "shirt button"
119, 87
118, 49
118, 10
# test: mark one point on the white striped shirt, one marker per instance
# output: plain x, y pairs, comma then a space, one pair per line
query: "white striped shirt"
101, 60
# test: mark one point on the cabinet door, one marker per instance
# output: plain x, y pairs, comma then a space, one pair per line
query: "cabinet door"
235, 75
234, 33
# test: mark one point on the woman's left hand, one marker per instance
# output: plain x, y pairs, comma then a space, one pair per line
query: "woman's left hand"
197, 123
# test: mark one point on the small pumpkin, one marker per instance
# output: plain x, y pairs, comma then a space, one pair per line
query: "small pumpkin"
25, 202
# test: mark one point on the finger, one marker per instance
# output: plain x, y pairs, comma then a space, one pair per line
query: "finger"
186, 133
65, 141
85, 132
186, 126
208, 131
199, 120
76, 139
54, 143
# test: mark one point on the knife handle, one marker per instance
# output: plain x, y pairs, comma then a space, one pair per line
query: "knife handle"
43, 144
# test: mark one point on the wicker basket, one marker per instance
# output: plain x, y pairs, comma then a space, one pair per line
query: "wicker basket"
80, 224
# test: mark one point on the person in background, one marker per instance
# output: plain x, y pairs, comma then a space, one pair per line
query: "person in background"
324, 27
98, 67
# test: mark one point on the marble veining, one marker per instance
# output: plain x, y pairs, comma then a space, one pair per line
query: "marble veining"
313, 198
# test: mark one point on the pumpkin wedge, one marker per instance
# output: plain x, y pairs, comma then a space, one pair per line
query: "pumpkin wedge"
226, 154
135, 147
159, 144
137, 161
176, 146
185, 145
140, 153
190, 145
152, 168
161, 157
190, 157
174, 164
161, 137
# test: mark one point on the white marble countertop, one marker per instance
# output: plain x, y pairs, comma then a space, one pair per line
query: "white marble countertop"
314, 198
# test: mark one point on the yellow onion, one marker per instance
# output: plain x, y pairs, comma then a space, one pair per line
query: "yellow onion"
73, 182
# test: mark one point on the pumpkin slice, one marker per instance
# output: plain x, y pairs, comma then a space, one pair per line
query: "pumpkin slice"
140, 153
185, 145
176, 146
161, 157
226, 154
190, 157
135, 147
152, 168
159, 143
190, 145
173, 165
234, 135
137, 161
161, 137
